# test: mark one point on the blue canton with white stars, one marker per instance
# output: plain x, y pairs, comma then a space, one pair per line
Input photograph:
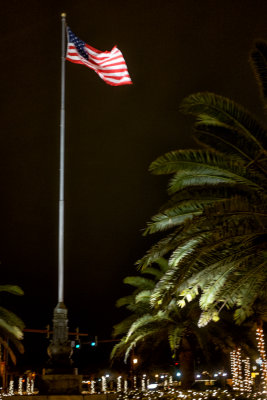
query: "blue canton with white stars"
78, 43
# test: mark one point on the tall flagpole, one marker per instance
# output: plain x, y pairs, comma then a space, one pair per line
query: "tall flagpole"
60, 349
61, 169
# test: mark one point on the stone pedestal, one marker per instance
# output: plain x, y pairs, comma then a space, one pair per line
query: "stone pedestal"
60, 384
60, 377
60, 350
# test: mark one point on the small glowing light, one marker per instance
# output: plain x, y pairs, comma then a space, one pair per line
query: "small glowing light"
178, 374
198, 376
215, 375
135, 361
152, 386
107, 375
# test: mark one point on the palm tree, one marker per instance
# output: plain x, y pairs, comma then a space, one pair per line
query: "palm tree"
152, 330
216, 218
11, 326
148, 328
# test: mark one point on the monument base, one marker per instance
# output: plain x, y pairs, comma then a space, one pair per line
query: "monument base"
60, 384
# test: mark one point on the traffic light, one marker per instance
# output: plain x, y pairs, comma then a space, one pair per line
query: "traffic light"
77, 339
94, 343
47, 331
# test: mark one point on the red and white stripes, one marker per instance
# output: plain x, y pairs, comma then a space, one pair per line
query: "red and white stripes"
109, 65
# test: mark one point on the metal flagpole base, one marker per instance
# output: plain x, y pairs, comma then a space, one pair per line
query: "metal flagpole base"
60, 350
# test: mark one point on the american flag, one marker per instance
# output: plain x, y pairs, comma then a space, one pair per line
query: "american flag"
109, 65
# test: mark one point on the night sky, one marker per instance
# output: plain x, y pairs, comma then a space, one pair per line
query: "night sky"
172, 48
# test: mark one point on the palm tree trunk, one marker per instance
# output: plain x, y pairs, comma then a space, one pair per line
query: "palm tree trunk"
186, 359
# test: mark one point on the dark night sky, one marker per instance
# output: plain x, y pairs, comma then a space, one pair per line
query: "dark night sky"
172, 48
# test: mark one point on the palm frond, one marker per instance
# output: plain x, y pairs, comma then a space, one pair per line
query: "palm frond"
146, 321
175, 336
175, 217
11, 318
258, 58
160, 249
143, 297
119, 349
155, 272
212, 109
162, 263
133, 344
226, 140
122, 327
139, 282
125, 301
9, 350
12, 329
12, 289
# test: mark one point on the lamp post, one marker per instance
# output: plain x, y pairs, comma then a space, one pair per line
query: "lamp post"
134, 364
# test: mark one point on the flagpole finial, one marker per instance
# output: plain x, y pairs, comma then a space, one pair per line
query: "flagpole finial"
63, 15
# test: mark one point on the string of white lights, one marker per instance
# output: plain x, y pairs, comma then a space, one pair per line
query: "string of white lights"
261, 349
119, 384
125, 386
104, 384
236, 369
20, 387
92, 386
239, 369
11, 388
28, 386
247, 375
32, 386
233, 370
143, 383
